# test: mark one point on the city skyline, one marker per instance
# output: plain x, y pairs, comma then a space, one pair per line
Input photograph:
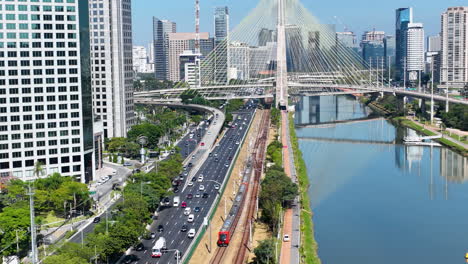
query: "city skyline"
424, 12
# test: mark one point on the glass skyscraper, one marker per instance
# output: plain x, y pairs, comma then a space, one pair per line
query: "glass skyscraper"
221, 23
404, 16
161, 29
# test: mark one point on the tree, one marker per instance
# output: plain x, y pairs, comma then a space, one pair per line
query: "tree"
12, 219
265, 252
38, 169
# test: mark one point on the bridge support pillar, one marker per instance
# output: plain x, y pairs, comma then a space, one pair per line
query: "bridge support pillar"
423, 106
401, 103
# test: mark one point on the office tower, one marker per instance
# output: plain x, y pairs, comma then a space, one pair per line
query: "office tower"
111, 65
161, 29
348, 40
434, 43
373, 48
239, 61
266, 35
189, 62
261, 60
221, 23
140, 60
389, 45
415, 51
404, 16
454, 58
177, 44
45, 90
295, 51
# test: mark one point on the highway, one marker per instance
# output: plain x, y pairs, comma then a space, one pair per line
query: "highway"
215, 168
186, 145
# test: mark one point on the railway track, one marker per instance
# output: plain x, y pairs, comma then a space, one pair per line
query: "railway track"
260, 148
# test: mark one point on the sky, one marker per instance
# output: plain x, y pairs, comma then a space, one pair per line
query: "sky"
356, 15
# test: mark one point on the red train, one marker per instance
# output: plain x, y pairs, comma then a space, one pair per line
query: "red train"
224, 235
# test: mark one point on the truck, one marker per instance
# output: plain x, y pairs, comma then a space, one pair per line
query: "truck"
176, 201
157, 250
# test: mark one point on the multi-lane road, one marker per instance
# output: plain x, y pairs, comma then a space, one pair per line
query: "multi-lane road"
214, 171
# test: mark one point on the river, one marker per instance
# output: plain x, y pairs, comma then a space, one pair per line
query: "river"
374, 199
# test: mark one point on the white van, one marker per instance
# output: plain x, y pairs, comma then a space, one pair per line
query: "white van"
156, 251
176, 201
191, 233
187, 211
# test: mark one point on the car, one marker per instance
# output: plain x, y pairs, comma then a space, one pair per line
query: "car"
183, 204
113, 172
175, 190
216, 159
216, 186
183, 228
189, 196
230, 158
197, 195
198, 135
194, 178
127, 163
196, 209
187, 211
230, 147
191, 233
200, 178
193, 156
140, 247
185, 173
190, 164
226, 164
211, 154
160, 228
130, 258
237, 142
205, 195
216, 154
97, 219
201, 187
181, 178
153, 235
166, 201
209, 133
190, 183
190, 218
286, 238
202, 144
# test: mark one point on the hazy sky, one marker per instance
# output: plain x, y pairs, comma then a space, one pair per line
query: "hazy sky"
357, 15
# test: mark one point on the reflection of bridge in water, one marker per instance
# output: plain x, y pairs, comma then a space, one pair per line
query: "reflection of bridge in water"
333, 123
347, 140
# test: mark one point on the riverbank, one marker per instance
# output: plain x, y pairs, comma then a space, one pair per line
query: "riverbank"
309, 247
446, 141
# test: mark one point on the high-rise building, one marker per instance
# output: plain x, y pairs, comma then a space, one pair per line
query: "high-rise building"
261, 60
112, 66
150, 52
348, 40
295, 51
45, 90
266, 35
161, 29
434, 43
221, 23
189, 62
239, 61
141, 60
373, 48
177, 44
415, 51
389, 43
454, 55
373, 36
404, 16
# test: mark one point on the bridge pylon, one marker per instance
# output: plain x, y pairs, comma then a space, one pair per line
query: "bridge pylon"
281, 68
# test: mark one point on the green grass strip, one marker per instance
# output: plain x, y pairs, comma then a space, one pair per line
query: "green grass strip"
308, 249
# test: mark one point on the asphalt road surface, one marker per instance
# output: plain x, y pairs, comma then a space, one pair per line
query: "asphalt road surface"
215, 168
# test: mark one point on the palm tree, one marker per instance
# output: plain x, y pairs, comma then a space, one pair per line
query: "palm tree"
38, 169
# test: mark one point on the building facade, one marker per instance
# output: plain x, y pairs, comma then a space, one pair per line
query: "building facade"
415, 51
161, 29
239, 61
348, 40
221, 23
141, 60
389, 43
434, 43
454, 54
404, 16
112, 65
266, 35
177, 44
46, 112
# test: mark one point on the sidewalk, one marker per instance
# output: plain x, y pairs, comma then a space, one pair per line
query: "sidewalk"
436, 131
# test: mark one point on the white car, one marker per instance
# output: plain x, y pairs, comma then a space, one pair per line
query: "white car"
190, 218
187, 211
216, 186
190, 183
286, 238
237, 142
191, 233
201, 188
200, 178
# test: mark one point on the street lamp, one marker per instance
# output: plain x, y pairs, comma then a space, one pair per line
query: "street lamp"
142, 140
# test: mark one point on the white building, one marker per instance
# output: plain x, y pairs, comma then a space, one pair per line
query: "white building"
454, 57
141, 60
112, 67
415, 63
239, 61
45, 90
434, 43
189, 67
